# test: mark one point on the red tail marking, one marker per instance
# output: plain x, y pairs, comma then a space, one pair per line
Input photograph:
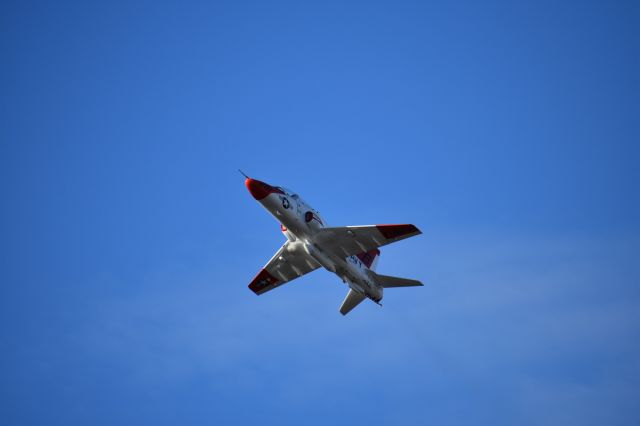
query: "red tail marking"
368, 257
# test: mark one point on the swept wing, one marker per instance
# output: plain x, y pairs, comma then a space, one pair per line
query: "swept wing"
286, 265
353, 240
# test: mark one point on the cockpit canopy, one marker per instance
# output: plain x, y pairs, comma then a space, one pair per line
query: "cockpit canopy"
291, 194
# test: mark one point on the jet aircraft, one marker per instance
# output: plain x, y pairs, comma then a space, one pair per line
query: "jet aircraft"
350, 252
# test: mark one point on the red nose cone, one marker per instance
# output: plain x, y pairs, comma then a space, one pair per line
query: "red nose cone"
259, 189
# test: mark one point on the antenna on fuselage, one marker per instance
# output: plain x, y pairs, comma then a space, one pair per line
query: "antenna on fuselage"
242, 173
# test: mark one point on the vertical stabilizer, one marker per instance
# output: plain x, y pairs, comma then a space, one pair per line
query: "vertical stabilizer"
370, 258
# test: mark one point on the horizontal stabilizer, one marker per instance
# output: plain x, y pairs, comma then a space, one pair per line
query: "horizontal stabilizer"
387, 281
352, 300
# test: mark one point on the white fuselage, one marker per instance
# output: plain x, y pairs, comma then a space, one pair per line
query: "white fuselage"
300, 223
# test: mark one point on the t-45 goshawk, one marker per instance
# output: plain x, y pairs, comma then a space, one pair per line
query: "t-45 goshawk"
350, 252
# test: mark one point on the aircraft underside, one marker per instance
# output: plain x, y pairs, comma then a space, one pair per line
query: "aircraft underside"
351, 252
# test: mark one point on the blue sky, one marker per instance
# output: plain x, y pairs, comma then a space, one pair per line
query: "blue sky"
506, 131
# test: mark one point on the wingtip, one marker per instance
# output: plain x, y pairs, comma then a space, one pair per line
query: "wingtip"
399, 230
262, 282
